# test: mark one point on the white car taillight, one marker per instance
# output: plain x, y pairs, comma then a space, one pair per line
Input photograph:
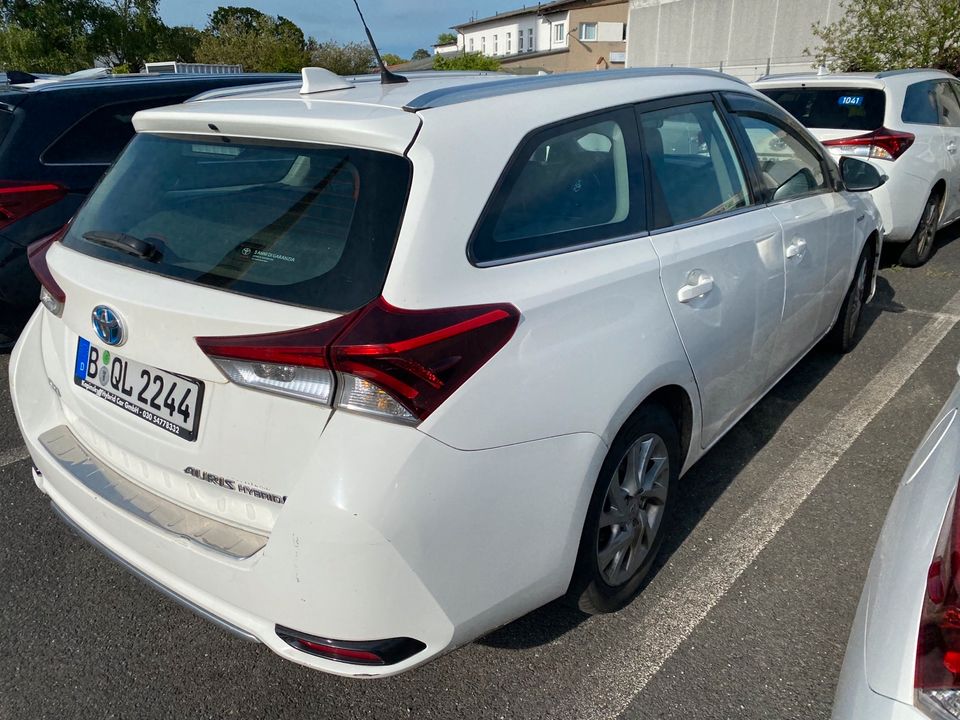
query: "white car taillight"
52, 296
395, 364
937, 677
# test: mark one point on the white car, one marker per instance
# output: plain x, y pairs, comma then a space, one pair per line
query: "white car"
907, 123
364, 371
903, 657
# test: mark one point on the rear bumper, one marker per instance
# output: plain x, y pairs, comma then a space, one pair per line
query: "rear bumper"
900, 200
413, 539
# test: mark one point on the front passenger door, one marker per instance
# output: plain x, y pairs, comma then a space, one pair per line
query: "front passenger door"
818, 225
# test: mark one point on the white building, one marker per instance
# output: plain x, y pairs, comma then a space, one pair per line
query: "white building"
580, 33
746, 38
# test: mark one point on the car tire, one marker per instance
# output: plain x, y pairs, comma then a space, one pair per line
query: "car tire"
843, 336
628, 512
918, 250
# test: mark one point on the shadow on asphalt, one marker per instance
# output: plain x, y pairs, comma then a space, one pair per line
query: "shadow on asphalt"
712, 475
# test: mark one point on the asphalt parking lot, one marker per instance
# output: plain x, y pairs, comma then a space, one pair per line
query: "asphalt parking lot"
746, 617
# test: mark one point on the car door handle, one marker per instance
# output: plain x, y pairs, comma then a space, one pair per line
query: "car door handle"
698, 284
796, 249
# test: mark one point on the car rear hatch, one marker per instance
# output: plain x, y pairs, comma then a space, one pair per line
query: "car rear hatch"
192, 235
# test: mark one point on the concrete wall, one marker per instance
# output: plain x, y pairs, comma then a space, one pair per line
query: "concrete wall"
742, 35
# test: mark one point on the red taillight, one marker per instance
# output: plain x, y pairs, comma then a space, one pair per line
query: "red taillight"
19, 199
937, 677
394, 363
51, 294
880, 144
374, 652
421, 356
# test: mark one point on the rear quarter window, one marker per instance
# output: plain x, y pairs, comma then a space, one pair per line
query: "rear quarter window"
569, 185
920, 104
98, 138
847, 108
306, 225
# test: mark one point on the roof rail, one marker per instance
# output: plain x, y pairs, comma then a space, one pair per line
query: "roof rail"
907, 71
465, 93
783, 76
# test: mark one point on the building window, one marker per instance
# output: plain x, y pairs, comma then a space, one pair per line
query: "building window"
509, 48
588, 32
530, 45
496, 45
483, 44
559, 32
520, 42
471, 44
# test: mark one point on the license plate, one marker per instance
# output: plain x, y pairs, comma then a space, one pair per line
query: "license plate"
169, 401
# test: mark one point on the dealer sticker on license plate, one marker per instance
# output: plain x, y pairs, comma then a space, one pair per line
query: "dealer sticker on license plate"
169, 401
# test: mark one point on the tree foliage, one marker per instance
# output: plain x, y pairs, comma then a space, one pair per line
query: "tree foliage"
467, 61
875, 35
446, 38
420, 54
392, 59
350, 58
48, 35
248, 37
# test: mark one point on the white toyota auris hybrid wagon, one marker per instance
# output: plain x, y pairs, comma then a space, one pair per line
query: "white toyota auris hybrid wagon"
363, 371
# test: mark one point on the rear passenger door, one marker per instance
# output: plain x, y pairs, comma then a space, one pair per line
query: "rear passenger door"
818, 222
721, 255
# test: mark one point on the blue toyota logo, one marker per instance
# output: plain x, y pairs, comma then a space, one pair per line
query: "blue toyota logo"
108, 325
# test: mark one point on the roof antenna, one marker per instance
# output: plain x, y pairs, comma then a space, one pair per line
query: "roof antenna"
386, 77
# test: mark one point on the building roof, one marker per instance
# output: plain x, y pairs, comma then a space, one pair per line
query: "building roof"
538, 9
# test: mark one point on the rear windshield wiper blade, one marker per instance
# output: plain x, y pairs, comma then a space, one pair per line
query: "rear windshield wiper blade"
123, 242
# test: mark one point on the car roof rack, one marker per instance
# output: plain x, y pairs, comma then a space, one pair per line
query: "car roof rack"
908, 71
464, 93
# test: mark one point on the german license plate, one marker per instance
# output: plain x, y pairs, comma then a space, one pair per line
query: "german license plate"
169, 401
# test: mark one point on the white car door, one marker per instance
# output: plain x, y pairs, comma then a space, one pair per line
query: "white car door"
818, 227
721, 256
950, 127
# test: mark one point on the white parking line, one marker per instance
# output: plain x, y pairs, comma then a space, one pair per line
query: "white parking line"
666, 623
9, 457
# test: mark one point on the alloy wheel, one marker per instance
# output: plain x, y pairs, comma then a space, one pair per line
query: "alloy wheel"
632, 509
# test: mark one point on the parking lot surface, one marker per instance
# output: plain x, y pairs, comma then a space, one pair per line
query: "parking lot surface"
746, 616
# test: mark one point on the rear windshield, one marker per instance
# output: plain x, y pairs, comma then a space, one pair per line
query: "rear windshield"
832, 108
306, 225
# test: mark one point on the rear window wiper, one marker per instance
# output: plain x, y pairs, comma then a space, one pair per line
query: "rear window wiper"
125, 243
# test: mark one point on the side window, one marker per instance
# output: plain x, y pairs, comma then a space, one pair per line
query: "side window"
920, 104
568, 185
788, 167
949, 106
694, 172
99, 137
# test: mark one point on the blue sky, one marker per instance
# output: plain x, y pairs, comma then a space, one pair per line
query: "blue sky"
398, 26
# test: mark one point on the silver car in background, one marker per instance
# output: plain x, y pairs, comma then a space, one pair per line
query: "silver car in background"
903, 656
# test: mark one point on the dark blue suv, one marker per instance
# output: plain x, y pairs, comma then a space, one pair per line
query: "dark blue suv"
56, 140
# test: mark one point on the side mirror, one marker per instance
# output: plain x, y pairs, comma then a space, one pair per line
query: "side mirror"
860, 176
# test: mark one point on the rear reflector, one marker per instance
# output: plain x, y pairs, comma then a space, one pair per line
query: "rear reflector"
19, 199
880, 144
52, 295
393, 363
937, 678
373, 652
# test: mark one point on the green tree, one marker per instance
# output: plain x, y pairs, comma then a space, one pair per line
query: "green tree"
420, 54
350, 58
178, 43
48, 35
445, 38
877, 35
392, 59
467, 61
258, 42
129, 32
